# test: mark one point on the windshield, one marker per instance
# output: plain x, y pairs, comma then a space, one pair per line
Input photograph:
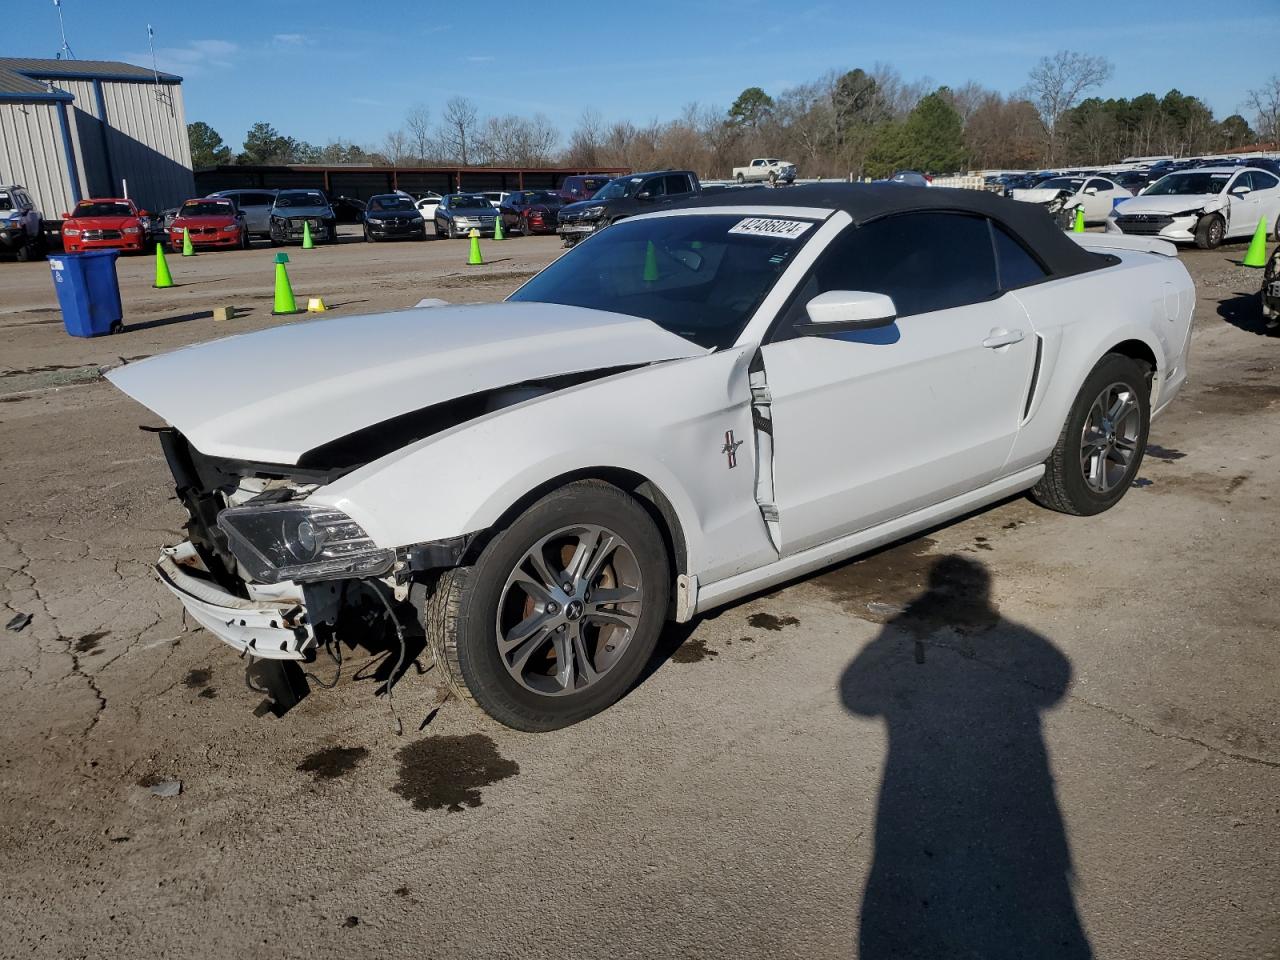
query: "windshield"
1188, 183
103, 208
392, 203
700, 277
468, 200
537, 196
207, 208
304, 198
1063, 183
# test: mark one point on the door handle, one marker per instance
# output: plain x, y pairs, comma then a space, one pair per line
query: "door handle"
1002, 338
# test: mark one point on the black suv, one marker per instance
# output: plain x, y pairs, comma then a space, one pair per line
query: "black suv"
623, 197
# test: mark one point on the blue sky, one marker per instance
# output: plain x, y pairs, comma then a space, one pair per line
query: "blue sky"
326, 69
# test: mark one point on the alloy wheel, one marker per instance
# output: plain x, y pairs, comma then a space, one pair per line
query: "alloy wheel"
569, 609
1109, 440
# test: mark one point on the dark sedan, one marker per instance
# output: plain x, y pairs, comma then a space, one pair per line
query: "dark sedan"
531, 211
460, 213
391, 215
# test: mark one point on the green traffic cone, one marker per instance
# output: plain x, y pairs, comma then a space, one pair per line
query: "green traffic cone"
497, 229
187, 249
650, 263
1079, 225
307, 242
284, 293
475, 257
1257, 255
163, 277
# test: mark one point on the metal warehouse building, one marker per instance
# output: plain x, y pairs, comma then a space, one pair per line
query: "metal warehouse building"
84, 128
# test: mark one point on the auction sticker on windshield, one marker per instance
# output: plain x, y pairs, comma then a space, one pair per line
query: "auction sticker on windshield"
770, 227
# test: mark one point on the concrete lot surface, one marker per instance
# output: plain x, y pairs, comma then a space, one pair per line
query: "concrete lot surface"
1070, 748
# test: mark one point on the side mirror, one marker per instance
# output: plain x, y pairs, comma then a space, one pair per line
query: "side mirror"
1091, 191
1241, 190
644, 195
143, 213
843, 311
65, 215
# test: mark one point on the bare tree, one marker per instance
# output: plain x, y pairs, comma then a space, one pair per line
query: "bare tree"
516, 141
418, 127
1265, 102
1057, 83
396, 147
458, 131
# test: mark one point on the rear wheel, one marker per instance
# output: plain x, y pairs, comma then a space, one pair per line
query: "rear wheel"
1102, 443
1210, 232
741, 178
560, 612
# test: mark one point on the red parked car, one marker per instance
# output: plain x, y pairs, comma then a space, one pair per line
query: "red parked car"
581, 187
211, 222
108, 224
531, 211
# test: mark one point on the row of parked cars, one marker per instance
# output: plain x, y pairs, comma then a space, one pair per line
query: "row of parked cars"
1201, 203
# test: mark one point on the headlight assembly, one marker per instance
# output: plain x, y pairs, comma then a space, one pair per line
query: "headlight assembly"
293, 541
375, 221
1188, 213
593, 211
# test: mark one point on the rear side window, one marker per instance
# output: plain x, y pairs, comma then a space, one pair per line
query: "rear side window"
1016, 268
678, 183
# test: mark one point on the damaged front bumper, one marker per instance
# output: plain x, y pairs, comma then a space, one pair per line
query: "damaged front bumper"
274, 627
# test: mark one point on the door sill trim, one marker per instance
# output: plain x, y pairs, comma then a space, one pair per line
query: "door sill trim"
712, 595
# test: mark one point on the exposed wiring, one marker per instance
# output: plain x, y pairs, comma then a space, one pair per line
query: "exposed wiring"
395, 622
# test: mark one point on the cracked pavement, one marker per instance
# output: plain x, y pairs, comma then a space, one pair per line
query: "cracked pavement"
784, 757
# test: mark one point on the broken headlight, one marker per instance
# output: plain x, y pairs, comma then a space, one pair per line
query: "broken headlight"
1188, 213
293, 541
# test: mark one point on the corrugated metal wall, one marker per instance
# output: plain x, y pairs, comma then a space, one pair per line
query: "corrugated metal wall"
147, 140
31, 154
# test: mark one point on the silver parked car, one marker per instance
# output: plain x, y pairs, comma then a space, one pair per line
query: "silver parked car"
256, 207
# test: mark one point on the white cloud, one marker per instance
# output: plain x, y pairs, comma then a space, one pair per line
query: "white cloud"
290, 39
195, 59
480, 59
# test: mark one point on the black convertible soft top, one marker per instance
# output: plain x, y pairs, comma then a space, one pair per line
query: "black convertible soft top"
870, 201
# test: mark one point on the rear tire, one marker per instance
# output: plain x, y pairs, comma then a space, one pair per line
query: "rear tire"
1098, 454
1210, 232
524, 687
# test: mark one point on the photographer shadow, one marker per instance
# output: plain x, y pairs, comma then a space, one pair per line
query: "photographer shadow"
971, 854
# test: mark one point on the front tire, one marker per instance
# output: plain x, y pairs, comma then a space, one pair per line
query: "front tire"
1102, 443
509, 637
1210, 232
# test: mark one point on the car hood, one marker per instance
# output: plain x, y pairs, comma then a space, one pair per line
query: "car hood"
1035, 194
288, 212
1172, 203
272, 395
580, 205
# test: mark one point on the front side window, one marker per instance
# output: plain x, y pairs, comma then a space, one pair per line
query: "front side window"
699, 277
924, 261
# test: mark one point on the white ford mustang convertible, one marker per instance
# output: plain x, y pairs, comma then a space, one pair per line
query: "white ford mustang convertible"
692, 406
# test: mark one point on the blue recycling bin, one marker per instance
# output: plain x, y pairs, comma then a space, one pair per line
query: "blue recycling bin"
88, 292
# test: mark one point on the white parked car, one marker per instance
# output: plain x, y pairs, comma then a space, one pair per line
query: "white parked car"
1063, 195
691, 406
495, 197
427, 205
761, 167
1206, 206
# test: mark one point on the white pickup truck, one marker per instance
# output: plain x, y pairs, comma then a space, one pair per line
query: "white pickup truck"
761, 167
